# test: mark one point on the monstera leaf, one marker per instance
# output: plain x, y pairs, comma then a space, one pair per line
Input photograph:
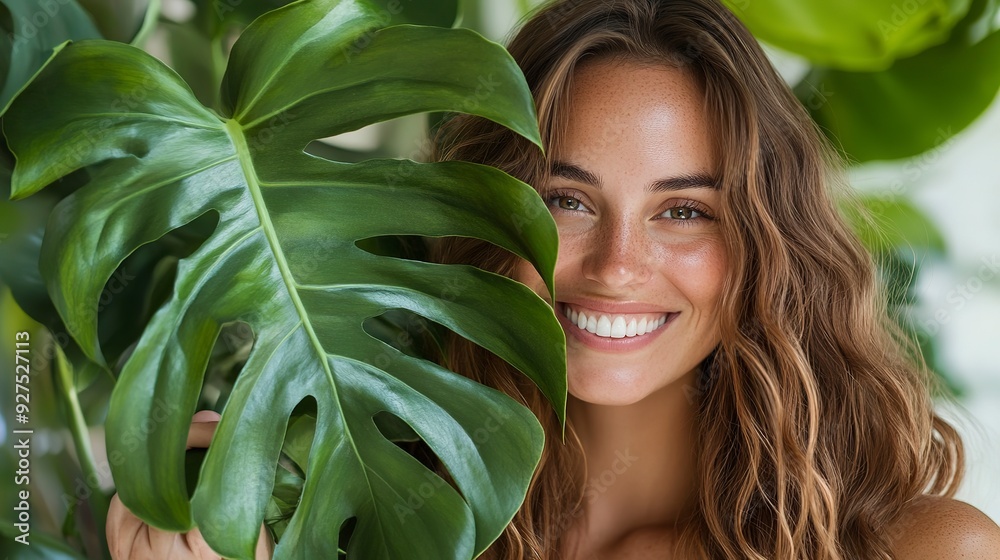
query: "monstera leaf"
920, 102
285, 258
857, 35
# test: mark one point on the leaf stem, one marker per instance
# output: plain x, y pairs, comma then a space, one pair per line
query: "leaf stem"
99, 503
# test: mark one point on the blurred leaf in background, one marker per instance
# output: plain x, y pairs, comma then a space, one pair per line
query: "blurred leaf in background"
918, 102
858, 35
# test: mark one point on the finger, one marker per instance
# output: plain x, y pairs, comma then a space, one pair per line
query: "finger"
200, 433
163, 544
196, 542
206, 416
122, 529
265, 546
141, 546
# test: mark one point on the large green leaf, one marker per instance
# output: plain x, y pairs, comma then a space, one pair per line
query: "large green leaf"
851, 34
918, 103
284, 259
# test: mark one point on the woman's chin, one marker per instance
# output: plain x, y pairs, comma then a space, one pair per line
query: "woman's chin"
622, 387
609, 390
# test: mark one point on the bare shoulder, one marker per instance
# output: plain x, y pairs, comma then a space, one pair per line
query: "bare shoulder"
936, 528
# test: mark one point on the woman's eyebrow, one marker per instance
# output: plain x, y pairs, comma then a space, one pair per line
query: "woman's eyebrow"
576, 173
681, 182
686, 181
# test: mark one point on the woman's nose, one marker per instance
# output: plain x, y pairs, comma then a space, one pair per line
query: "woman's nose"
618, 256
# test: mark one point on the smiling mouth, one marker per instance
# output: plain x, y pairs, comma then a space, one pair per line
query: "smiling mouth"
608, 325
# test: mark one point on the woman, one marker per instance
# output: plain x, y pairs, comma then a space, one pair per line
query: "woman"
736, 390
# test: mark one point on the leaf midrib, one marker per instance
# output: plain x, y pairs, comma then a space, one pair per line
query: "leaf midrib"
235, 130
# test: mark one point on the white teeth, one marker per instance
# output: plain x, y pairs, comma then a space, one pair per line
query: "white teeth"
618, 328
605, 326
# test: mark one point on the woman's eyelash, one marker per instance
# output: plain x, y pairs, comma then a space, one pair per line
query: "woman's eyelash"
554, 195
691, 205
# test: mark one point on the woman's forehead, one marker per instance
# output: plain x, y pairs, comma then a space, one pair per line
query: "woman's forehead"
634, 115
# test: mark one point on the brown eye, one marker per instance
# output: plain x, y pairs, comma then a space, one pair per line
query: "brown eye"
569, 203
682, 213
565, 201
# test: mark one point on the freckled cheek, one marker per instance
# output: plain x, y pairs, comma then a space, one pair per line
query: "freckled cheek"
698, 270
571, 253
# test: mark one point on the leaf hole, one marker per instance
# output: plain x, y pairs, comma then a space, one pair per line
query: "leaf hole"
409, 333
229, 354
394, 428
290, 476
346, 531
412, 247
400, 433
142, 283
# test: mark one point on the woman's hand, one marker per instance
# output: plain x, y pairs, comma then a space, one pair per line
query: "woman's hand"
129, 538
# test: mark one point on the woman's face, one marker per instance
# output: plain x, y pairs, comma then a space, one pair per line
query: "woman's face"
635, 201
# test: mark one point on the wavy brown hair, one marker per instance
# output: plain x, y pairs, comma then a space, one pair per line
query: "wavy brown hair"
817, 426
